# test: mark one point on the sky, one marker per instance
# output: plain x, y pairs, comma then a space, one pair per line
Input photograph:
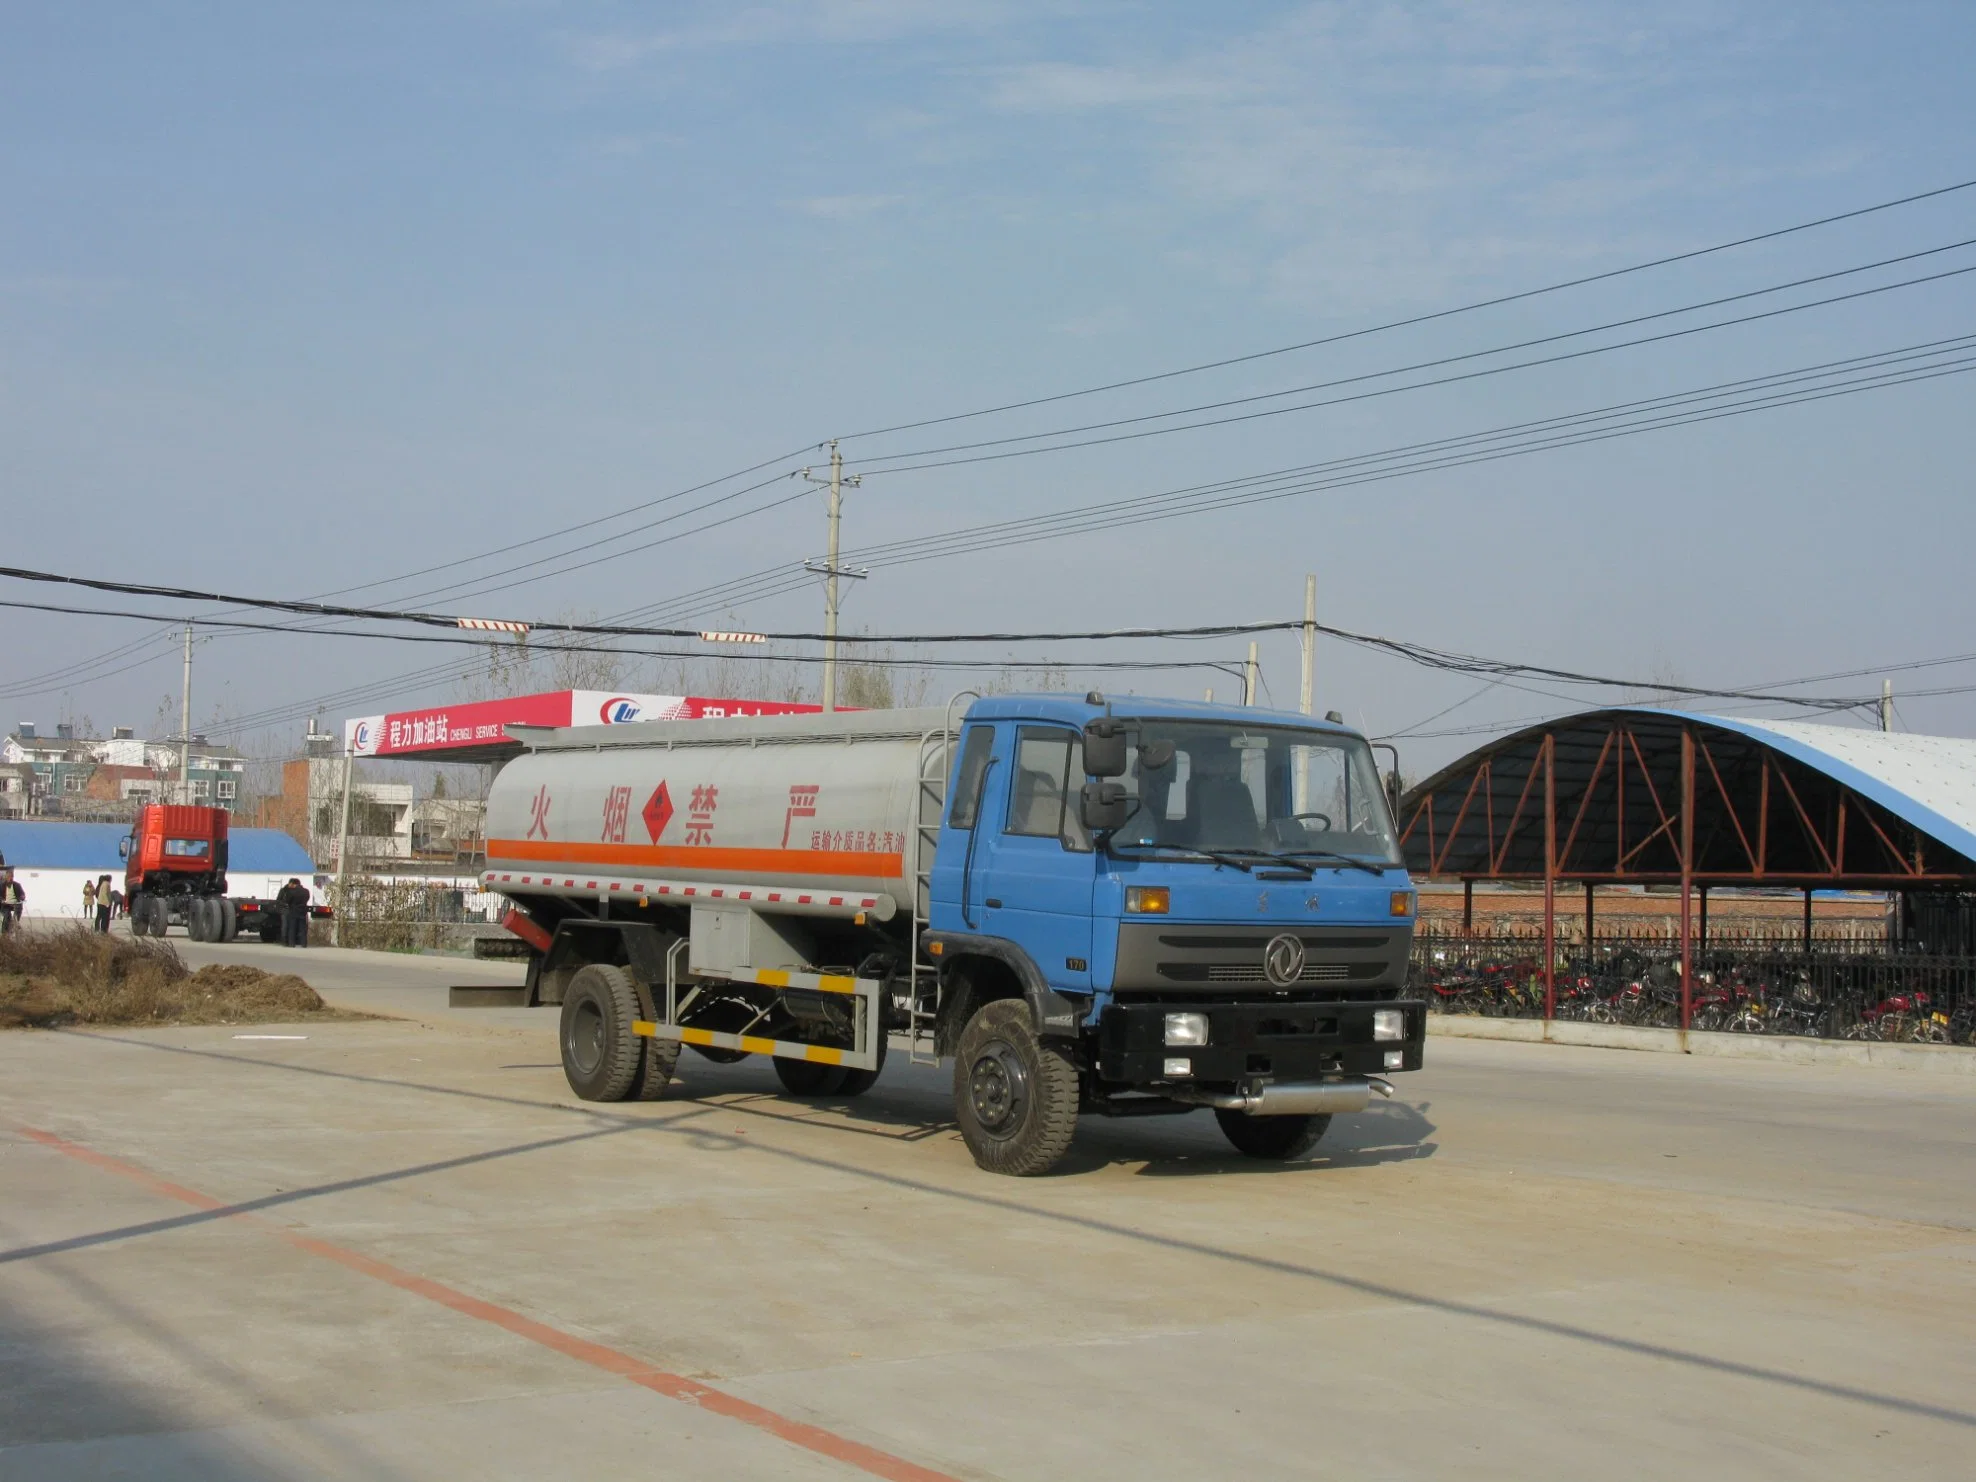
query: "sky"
306, 300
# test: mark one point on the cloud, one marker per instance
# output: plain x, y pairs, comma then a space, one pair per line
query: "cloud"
796, 22
841, 208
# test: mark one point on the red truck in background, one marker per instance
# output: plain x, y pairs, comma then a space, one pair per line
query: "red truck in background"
175, 871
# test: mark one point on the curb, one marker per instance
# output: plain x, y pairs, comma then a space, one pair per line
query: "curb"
1791, 1050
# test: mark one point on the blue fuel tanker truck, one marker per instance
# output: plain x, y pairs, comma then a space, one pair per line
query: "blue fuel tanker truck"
1109, 907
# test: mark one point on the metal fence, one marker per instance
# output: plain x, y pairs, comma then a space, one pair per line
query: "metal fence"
1841, 987
399, 914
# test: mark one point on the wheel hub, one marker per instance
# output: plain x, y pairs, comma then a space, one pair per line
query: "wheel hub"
998, 1090
586, 1038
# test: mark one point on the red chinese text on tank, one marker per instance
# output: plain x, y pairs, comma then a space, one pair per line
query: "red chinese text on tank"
617, 813
802, 804
657, 812
538, 822
700, 814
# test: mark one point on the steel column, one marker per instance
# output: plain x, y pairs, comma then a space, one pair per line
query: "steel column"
1550, 878
1687, 876
1468, 905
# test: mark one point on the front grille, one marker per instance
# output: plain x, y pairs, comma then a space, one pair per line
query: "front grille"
1251, 972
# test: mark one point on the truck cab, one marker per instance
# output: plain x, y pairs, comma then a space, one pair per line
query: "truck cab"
1209, 901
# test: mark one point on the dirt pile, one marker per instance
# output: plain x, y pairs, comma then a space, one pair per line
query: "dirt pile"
74, 976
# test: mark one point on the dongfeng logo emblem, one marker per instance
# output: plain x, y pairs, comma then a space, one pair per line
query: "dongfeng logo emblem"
1283, 960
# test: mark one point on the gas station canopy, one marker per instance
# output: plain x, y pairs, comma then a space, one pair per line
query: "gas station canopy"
477, 731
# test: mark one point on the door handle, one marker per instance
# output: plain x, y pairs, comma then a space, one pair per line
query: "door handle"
992, 904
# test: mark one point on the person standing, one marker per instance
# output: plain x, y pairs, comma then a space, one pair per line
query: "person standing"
294, 903
13, 900
88, 902
102, 902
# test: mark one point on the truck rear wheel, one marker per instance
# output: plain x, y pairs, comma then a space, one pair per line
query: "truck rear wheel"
601, 1056
1015, 1093
229, 920
655, 1069
1277, 1139
809, 1077
199, 921
857, 1082
157, 914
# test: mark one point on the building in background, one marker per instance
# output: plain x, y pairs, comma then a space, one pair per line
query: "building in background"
89, 778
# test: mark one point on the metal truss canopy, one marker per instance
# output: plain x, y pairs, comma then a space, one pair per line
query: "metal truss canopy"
1639, 796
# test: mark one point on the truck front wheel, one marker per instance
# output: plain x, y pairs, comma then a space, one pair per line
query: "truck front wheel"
601, 1056
1015, 1093
1277, 1139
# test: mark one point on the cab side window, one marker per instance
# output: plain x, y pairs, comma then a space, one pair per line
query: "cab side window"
1049, 770
980, 741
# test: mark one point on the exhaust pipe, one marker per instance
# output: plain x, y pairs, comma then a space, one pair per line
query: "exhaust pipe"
1293, 1098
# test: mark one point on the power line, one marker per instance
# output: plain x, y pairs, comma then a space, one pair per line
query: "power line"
1489, 303
1673, 334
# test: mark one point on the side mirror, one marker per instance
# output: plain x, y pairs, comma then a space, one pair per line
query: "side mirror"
1104, 806
123, 847
1104, 747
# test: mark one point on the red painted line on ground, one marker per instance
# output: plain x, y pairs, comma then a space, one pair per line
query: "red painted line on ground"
612, 1361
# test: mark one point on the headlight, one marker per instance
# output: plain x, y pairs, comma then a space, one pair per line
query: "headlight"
1186, 1029
1148, 900
1386, 1024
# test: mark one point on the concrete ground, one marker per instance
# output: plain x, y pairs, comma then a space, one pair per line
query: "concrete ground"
400, 1249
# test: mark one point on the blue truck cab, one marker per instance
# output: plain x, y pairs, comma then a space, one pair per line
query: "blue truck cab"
1141, 907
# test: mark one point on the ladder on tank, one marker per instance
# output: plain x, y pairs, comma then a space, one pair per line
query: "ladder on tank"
936, 753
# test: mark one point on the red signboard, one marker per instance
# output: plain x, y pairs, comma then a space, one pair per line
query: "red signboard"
438, 729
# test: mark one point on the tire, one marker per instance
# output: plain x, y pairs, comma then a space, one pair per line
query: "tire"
161, 916
601, 1056
655, 1067
857, 1082
1275, 1139
229, 921
138, 910
270, 927
809, 1077
199, 921
1015, 1094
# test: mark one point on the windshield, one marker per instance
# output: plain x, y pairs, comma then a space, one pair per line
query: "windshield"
1273, 789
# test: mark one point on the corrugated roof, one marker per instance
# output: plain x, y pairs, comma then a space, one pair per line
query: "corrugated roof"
1928, 781
29, 844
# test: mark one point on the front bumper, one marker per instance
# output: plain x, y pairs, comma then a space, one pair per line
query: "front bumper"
1279, 1041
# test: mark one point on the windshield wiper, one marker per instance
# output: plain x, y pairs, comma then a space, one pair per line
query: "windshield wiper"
1295, 856
1231, 860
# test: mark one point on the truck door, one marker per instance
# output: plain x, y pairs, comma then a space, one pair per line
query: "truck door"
1034, 870
955, 888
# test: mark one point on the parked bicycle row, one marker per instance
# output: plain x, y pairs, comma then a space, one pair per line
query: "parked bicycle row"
1859, 996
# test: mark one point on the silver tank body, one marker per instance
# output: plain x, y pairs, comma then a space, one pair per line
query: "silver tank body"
824, 802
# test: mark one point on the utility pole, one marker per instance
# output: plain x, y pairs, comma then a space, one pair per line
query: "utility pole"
830, 570
1310, 645
342, 850
185, 725
1886, 704
1249, 671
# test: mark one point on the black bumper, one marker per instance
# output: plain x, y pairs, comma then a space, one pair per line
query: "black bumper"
1283, 1041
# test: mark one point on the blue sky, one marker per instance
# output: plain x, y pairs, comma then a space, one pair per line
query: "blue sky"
294, 299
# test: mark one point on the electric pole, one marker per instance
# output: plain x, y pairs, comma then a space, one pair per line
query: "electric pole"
1249, 671
185, 725
830, 570
1886, 704
1310, 645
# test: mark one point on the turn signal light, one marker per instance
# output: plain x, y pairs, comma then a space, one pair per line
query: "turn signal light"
1402, 903
1148, 900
